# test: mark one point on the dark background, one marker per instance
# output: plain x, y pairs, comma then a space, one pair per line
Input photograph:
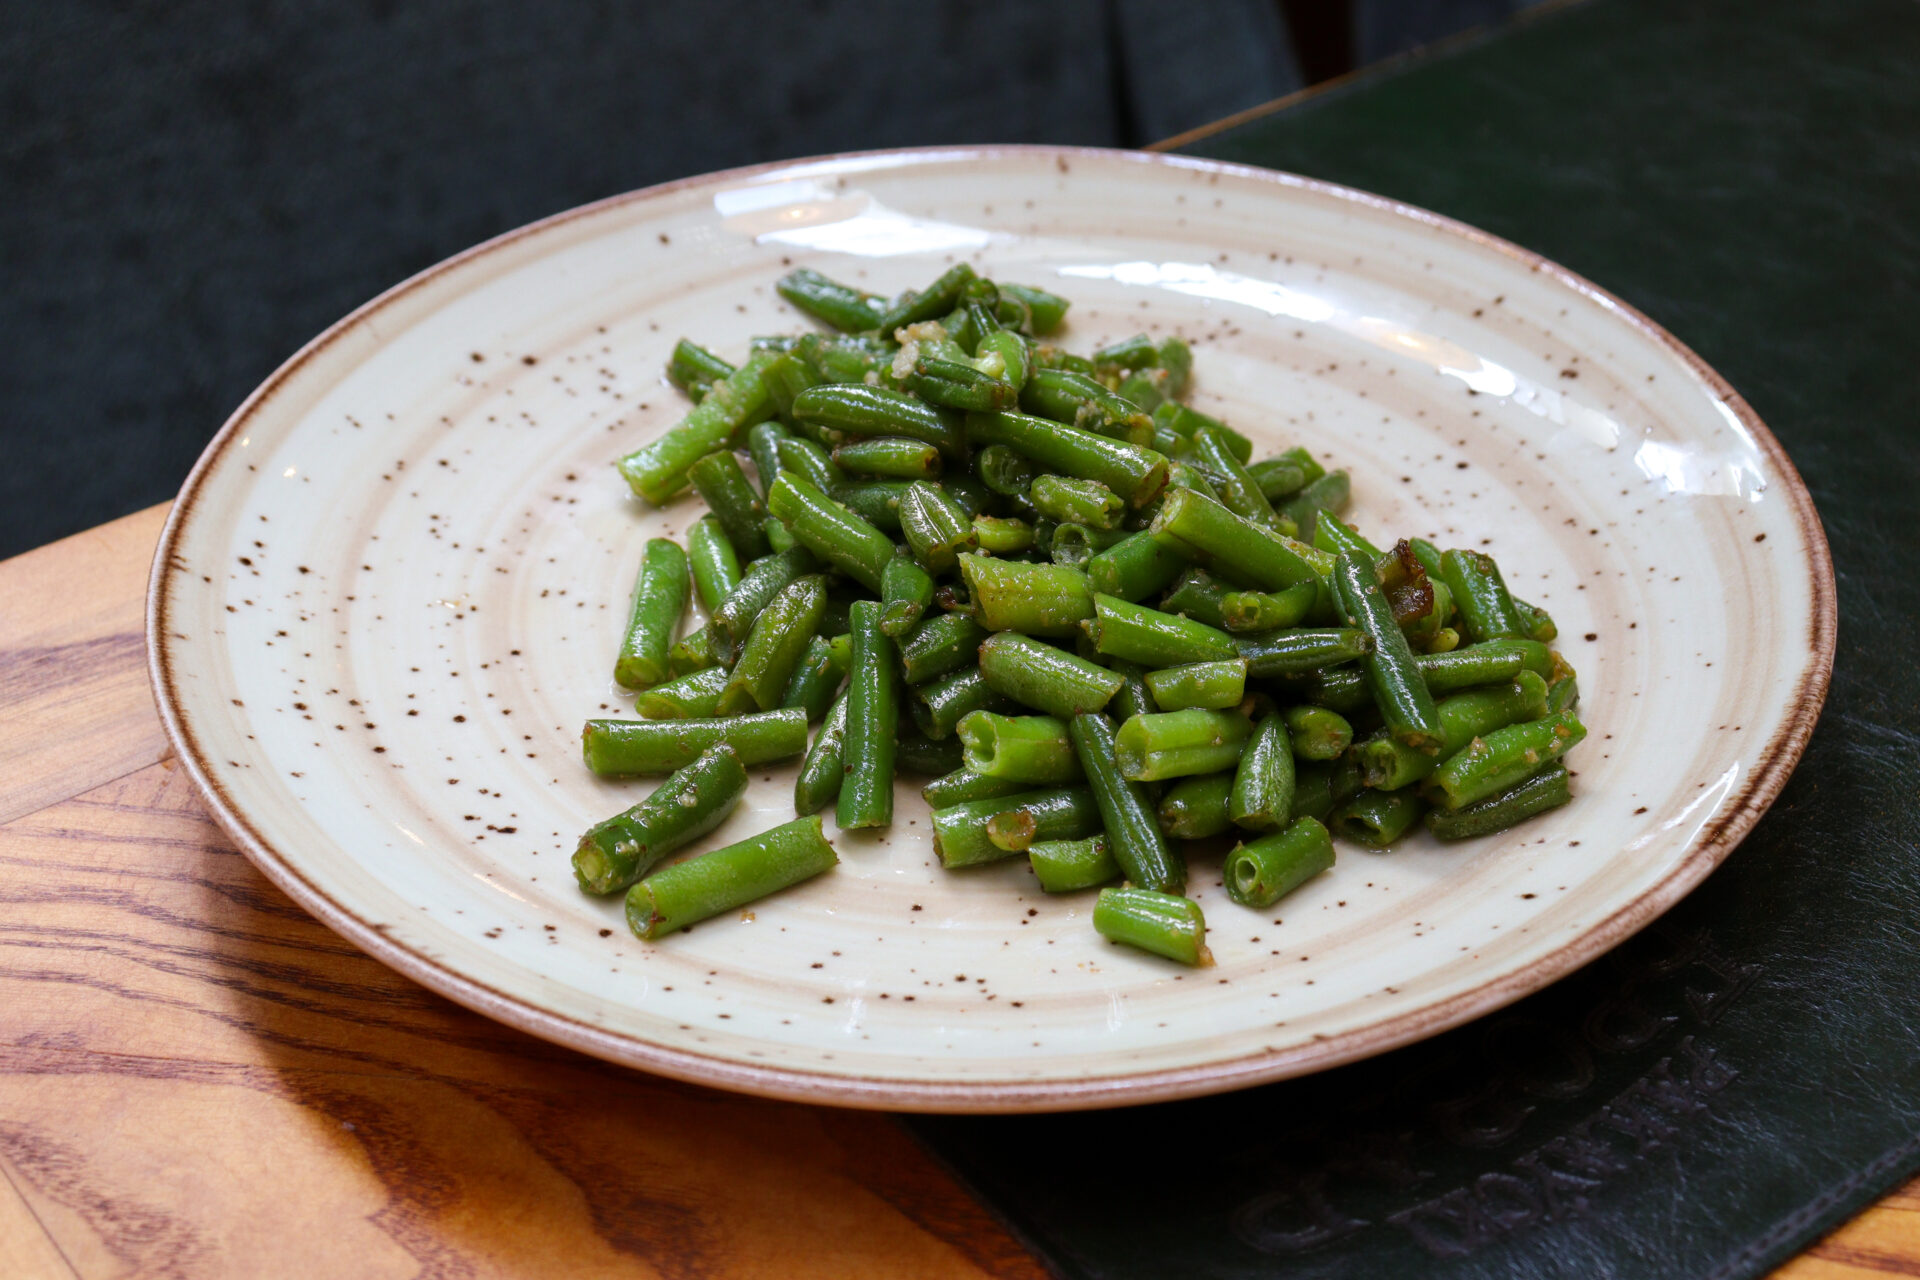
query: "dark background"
192, 190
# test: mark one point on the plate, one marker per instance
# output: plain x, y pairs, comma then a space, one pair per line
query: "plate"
390, 592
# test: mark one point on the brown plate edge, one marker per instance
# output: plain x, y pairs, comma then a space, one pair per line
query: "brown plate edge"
1708, 850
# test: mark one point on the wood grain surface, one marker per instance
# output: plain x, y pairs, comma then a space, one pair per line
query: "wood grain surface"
199, 1080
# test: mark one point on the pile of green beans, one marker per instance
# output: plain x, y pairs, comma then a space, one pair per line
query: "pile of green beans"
1083, 604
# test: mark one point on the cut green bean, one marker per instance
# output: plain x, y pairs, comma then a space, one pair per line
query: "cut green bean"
999, 536
725, 489
808, 460
1377, 818
764, 579
1320, 734
658, 470
960, 384
963, 785
1261, 872
1198, 807
1179, 744
940, 705
1071, 500
1070, 814
1045, 311
937, 528
891, 457
818, 677
1211, 686
1328, 493
1186, 421
930, 303
1135, 473
1068, 866
906, 592
1044, 677
838, 413
830, 531
1015, 363
1304, 649
1269, 559
694, 369
713, 560
695, 696
700, 888
689, 804
1496, 761
842, 306
1197, 594
941, 644
1263, 783
1389, 765
1399, 688
701, 649
960, 835
1162, 923
1136, 567
1239, 492
1248, 611
873, 711
1079, 400
659, 598
1032, 749
1545, 790
1480, 594
775, 646
875, 501
1005, 470
1135, 633
1075, 545
1535, 623
1034, 599
621, 748
1132, 833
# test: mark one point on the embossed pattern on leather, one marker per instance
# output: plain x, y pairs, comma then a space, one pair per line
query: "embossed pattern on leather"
1746, 1073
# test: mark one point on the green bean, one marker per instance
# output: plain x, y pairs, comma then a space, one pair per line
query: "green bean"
1261, 872
1135, 633
1239, 492
1136, 352
1034, 599
854, 410
960, 835
875, 501
806, 459
817, 678
1185, 422
1535, 623
1334, 535
1399, 688
830, 531
1197, 594
915, 754
1011, 351
659, 598
1162, 923
1378, 818
1133, 699
1075, 545
658, 470
1067, 866
1176, 357
1304, 649
1269, 559
963, 785
1132, 833
1280, 477
1197, 807
1389, 765
931, 303
824, 766
1135, 567
1136, 474
1263, 782
620, 748
1242, 611
1328, 493
689, 804
937, 529
1320, 734
1005, 470
947, 642
1210, 686
842, 306
1480, 595
1563, 692
701, 649
1078, 400
694, 369
724, 487
1002, 537
1545, 790
1070, 500
700, 888
959, 384
1498, 760
695, 696
1045, 310
906, 591
1069, 814
775, 646
892, 457
715, 564
763, 444
764, 579
1032, 749
940, 705
873, 712
1179, 744
1044, 677
849, 358
786, 376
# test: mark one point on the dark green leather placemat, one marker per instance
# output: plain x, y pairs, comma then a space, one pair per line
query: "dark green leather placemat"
1746, 1073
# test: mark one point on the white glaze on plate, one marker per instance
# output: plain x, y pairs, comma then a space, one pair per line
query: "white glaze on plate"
393, 587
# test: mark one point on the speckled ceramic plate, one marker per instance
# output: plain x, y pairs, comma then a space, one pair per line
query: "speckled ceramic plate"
391, 589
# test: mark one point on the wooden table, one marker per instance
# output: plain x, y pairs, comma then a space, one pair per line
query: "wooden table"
197, 1079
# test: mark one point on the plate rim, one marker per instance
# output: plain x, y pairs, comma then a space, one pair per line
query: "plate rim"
1708, 848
